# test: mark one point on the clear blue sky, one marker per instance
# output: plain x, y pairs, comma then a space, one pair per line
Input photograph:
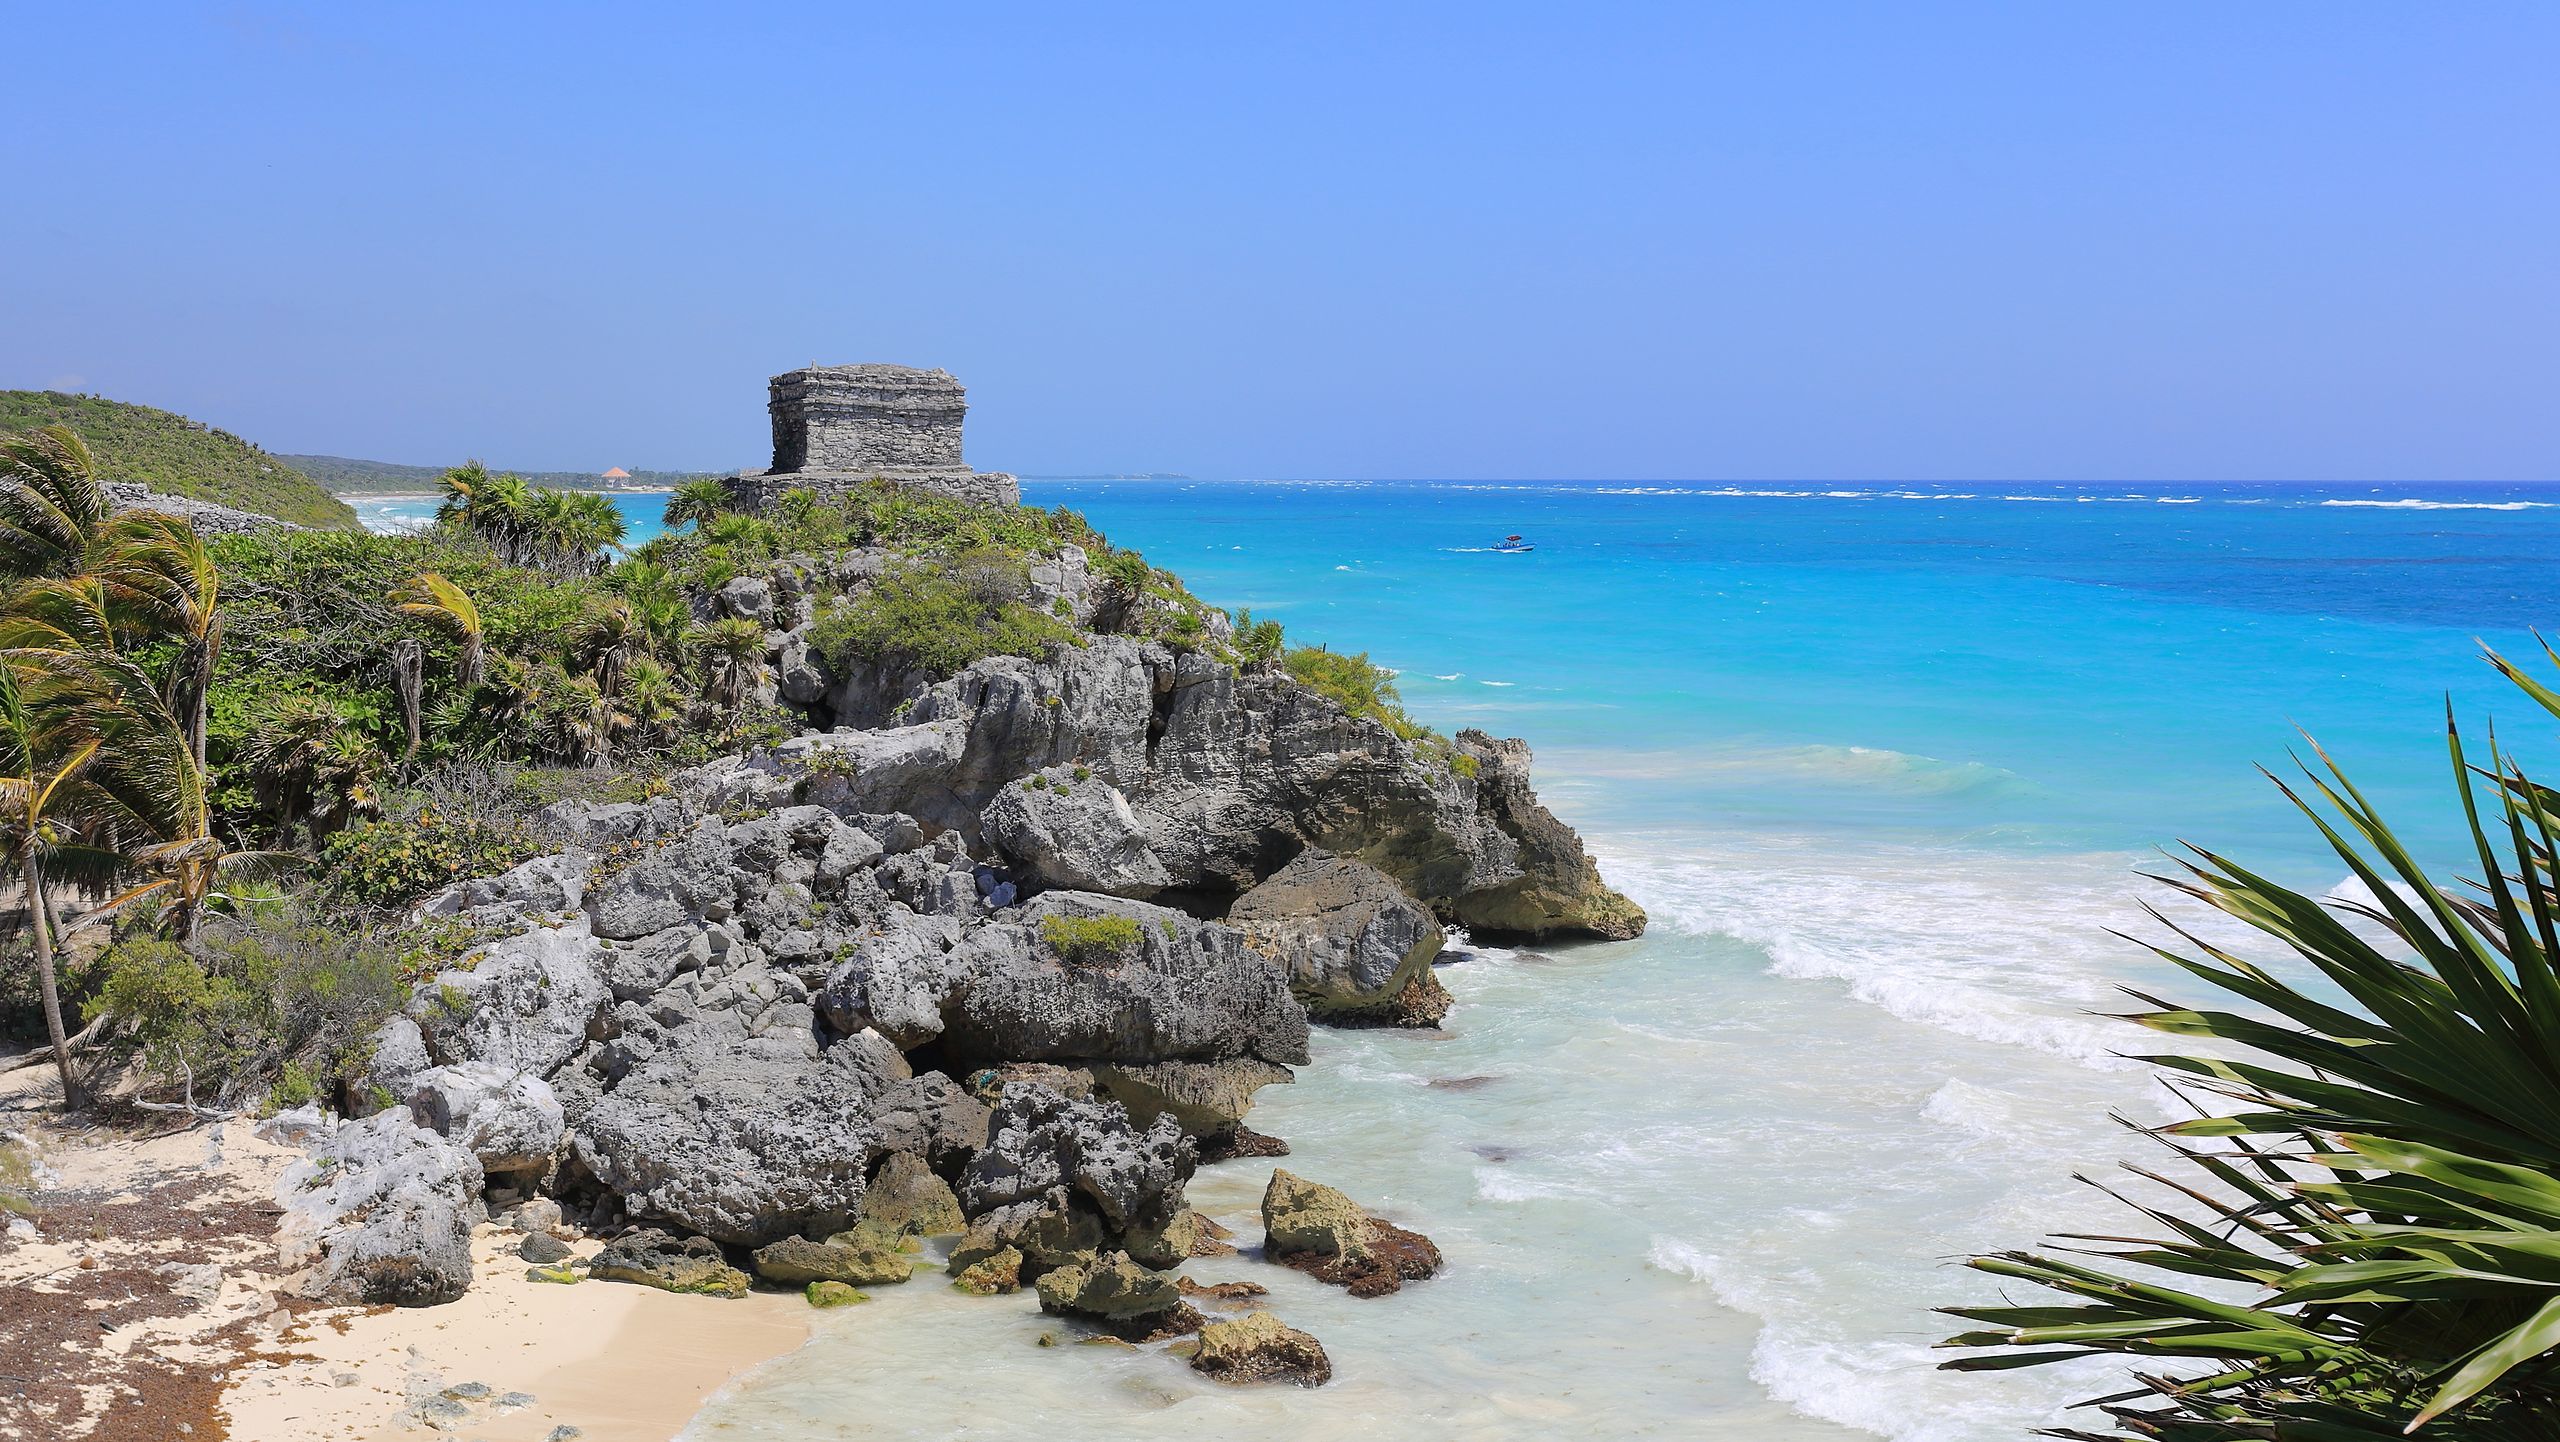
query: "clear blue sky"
1818, 240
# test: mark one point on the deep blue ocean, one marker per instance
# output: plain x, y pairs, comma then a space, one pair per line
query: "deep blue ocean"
1884, 764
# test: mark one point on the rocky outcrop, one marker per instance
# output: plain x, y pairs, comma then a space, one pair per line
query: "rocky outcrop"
1558, 889
1323, 1233
381, 1211
1349, 938
209, 518
1258, 1347
1226, 776
765, 1015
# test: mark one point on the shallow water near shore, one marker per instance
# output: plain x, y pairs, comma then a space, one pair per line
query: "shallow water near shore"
1882, 762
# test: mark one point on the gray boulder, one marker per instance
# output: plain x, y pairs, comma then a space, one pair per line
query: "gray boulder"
1171, 988
895, 980
381, 1212
748, 598
639, 969
1076, 833
399, 1054
509, 1120
1346, 933
711, 1119
1058, 1154
900, 768
526, 1004
678, 879
546, 886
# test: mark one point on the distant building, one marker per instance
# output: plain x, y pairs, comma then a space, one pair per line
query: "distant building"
835, 427
615, 477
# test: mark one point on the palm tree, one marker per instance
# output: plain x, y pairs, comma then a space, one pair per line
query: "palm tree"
51, 504
160, 580
595, 526
465, 501
657, 599
649, 697
2375, 1216
695, 502
61, 812
312, 765
574, 720
733, 657
613, 637
432, 598
495, 508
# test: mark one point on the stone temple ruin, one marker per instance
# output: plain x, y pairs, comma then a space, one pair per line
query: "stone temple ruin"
836, 427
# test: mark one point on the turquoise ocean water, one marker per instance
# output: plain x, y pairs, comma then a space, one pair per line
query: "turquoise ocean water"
1883, 763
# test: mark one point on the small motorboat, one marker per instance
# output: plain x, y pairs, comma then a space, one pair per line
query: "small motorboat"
1514, 543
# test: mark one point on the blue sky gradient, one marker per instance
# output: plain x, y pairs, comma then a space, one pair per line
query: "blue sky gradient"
1821, 241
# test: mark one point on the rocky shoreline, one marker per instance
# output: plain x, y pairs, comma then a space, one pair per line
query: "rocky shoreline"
999, 959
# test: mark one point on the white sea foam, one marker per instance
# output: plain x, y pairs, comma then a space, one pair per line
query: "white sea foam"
1981, 1111
2007, 950
2413, 504
1890, 1388
1452, 676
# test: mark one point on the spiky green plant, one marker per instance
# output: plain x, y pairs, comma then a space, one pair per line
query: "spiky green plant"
2367, 1243
696, 502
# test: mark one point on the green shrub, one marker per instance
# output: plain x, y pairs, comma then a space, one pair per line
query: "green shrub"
1350, 681
288, 1009
937, 619
393, 862
1089, 940
1257, 641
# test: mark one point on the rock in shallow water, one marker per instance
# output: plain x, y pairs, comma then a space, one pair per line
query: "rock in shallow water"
1323, 1233
1130, 1301
1258, 1347
853, 1257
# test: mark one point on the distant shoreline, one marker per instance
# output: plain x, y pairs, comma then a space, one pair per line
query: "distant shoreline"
351, 497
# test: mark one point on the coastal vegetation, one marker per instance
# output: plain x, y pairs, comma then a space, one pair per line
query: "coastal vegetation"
2358, 1234
176, 456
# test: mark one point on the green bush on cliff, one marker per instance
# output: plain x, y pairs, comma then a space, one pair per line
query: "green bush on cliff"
936, 619
1257, 641
399, 859
1090, 940
1351, 681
